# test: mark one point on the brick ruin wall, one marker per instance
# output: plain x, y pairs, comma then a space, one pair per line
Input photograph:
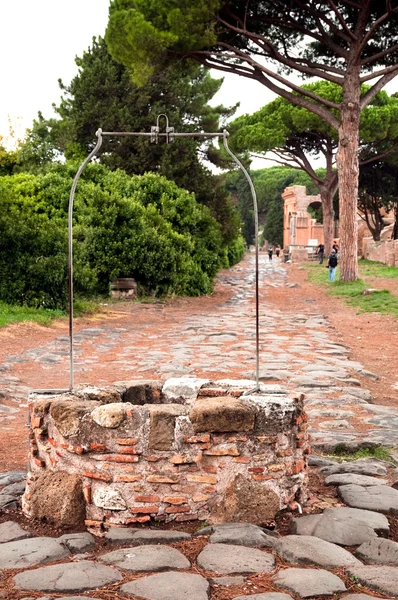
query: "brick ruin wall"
385, 251
184, 450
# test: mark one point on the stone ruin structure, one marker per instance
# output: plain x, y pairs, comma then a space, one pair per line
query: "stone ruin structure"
146, 451
299, 228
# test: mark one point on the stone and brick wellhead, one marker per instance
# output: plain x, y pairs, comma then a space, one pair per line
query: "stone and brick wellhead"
147, 451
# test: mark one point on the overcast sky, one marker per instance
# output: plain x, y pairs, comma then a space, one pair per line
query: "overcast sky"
39, 40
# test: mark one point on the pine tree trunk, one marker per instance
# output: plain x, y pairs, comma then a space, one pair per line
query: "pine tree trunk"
348, 171
328, 218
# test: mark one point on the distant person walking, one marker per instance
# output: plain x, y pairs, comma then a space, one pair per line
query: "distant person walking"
277, 251
332, 265
335, 247
321, 253
270, 253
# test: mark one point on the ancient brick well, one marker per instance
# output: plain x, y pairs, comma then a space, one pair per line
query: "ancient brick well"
186, 449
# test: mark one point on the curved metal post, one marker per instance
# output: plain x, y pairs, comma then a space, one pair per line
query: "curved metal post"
70, 250
253, 192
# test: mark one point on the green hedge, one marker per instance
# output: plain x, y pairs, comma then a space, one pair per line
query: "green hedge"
142, 226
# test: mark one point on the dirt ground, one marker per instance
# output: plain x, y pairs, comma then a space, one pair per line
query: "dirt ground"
371, 337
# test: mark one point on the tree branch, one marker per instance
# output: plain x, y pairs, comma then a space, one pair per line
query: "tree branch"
378, 73
370, 94
342, 21
376, 57
270, 50
375, 26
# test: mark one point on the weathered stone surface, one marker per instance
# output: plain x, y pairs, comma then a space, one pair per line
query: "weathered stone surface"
309, 582
265, 596
109, 499
30, 552
11, 532
361, 467
242, 534
183, 387
319, 461
220, 414
14, 489
381, 579
78, 542
105, 395
162, 424
67, 414
110, 415
344, 526
143, 392
68, 577
12, 477
378, 551
168, 586
227, 559
58, 498
354, 479
144, 536
273, 414
7, 501
147, 558
248, 502
378, 498
227, 580
120, 535
309, 550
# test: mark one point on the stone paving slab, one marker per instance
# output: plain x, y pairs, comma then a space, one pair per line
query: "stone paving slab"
308, 583
227, 559
68, 577
241, 534
12, 532
309, 550
30, 552
147, 558
378, 551
344, 530
381, 579
354, 479
168, 586
382, 498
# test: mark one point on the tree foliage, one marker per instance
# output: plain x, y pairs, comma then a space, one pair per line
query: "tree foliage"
103, 95
340, 41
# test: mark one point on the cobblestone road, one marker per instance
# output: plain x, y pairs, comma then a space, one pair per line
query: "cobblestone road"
297, 351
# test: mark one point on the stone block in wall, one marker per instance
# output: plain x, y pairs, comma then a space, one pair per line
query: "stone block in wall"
247, 501
389, 253
299, 254
143, 392
57, 497
273, 414
67, 414
221, 414
162, 419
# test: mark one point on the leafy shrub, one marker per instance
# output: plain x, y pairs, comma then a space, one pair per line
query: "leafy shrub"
142, 226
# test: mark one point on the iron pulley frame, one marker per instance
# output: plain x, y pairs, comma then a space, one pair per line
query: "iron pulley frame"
155, 135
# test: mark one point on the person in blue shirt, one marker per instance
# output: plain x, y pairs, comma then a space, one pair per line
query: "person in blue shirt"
332, 265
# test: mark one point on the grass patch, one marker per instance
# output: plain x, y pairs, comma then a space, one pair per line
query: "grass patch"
381, 301
11, 313
370, 268
341, 451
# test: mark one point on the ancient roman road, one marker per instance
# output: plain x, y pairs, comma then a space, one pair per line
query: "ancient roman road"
210, 337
